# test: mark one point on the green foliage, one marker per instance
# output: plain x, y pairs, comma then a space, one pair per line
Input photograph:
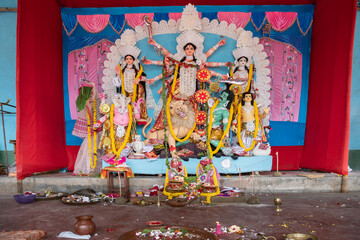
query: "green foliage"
83, 97
190, 179
207, 168
163, 96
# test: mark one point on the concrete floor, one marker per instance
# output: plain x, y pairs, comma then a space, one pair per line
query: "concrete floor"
326, 215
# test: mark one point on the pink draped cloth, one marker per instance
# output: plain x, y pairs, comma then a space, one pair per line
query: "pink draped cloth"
286, 79
93, 23
86, 63
136, 19
240, 19
281, 21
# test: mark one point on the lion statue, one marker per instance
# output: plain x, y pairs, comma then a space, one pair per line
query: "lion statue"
182, 119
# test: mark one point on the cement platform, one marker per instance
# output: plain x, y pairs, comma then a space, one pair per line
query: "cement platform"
289, 182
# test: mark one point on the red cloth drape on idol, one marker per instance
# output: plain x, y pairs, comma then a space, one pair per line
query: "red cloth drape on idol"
40, 115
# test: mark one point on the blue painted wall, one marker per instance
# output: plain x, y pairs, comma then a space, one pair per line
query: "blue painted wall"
355, 91
8, 70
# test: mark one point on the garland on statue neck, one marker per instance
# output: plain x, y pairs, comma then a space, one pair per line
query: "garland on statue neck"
112, 135
135, 85
168, 111
90, 130
225, 132
249, 77
256, 127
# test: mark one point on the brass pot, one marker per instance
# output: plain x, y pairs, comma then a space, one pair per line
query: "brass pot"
301, 236
84, 225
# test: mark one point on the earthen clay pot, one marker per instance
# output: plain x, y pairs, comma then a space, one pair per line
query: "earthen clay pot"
84, 225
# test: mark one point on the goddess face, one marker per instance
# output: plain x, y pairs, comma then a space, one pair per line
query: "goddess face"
189, 50
242, 61
129, 60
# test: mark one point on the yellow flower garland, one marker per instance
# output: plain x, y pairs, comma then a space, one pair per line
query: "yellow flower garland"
168, 111
91, 153
225, 132
135, 85
249, 78
112, 135
256, 127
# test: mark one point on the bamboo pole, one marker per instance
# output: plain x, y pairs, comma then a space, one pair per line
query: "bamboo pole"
6, 9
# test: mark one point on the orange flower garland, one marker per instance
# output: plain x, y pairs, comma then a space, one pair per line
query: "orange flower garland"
91, 153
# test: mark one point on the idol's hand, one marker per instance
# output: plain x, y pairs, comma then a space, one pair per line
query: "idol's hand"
225, 76
234, 128
228, 64
266, 110
137, 81
222, 42
147, 62
96, 126
160, 91
151, 41
195, 136
116, 82
117, 70
150, 81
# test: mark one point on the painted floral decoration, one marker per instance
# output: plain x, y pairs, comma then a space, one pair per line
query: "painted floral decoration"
200, 117
203, 75
202, 96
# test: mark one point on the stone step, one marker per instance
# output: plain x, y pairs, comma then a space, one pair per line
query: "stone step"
288, 182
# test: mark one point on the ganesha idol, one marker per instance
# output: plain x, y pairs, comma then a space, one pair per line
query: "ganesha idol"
119, 121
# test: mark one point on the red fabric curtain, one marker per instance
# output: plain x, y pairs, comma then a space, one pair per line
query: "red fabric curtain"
40, 133
117, 3
40, 114
326, 145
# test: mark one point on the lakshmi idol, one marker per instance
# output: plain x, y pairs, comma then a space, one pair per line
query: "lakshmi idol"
130, 73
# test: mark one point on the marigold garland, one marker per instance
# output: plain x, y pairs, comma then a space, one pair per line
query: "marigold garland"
256, 127
135, 85
91, 153
112, 135
168, 111
225, 132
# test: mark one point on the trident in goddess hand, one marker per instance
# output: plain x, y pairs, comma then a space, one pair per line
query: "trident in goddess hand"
148, 23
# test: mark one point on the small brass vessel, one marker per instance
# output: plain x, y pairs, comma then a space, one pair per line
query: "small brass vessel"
301, 236
277, 202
